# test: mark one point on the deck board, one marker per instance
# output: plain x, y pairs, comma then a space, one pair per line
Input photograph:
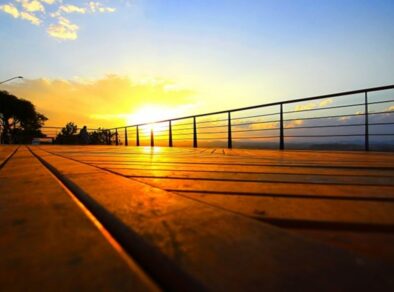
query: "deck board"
5, 153
47, 243
355, 189
202, 240
187, 214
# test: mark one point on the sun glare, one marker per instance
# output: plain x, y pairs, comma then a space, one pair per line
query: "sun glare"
151, 114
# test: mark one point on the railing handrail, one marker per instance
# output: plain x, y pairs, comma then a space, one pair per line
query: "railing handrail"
343, 93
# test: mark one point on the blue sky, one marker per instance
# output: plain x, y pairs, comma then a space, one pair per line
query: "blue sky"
223, 53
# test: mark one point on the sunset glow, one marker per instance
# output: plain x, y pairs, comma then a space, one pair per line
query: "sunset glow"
112, 63
197, 145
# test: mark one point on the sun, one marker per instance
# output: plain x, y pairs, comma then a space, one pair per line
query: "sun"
151, 114
148, 114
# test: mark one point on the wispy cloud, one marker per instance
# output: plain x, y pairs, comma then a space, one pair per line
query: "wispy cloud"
51, 14
98, 7
304, 107
312, 105
64, 29
31, 5
30, 17
10, 9
72, 9
325, 102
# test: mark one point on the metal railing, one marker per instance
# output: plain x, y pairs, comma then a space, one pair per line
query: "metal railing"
239, 128
278, 119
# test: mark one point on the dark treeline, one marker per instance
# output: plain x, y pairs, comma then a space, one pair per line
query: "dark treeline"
69, 136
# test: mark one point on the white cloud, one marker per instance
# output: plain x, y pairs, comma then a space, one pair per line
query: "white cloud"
31, 5
325, 102
304, 107
64, 29
98, 7
72, 9
30, 17
55, 22
313, 105
10, 9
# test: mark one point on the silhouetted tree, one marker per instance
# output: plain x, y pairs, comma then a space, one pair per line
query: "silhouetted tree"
20, 122
69, 130
68, 135
98, 137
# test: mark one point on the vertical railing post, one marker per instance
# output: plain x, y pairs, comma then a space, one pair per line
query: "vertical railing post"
194, 132
229, 136
126, 141
109, 137
116, 137
169, 133
366, 146
281, 130
152, 138
138, 136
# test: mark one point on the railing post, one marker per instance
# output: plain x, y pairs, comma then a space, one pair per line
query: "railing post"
194, 133
152, 139
366, 123
138, 136
126, 142
281, 133
169, 133
230, 141
116, 137
109, 137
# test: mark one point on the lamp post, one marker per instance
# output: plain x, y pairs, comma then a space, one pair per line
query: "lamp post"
17, 77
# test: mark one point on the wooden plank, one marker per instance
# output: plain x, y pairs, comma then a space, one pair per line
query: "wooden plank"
327, 213
226, 161
363, 227
117, 160
242, 168
273, 189
6, 151
254, 177
346, 212
378, 245
176, 237
47, 243
291, 158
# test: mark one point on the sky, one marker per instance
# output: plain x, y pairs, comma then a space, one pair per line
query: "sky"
110, 63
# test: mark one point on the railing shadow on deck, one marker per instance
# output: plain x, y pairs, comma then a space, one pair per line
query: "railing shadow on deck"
354, 119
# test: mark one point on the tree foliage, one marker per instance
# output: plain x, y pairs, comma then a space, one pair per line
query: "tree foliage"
68, 135
69, 130
19, 120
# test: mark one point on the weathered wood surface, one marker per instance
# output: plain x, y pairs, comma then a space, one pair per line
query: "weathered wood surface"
6, 153
196, 219
197, 241
343, 198
48, 244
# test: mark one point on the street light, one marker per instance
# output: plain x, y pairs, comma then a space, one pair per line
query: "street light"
17, 77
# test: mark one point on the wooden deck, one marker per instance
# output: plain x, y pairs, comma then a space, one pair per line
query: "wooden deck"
146, 219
